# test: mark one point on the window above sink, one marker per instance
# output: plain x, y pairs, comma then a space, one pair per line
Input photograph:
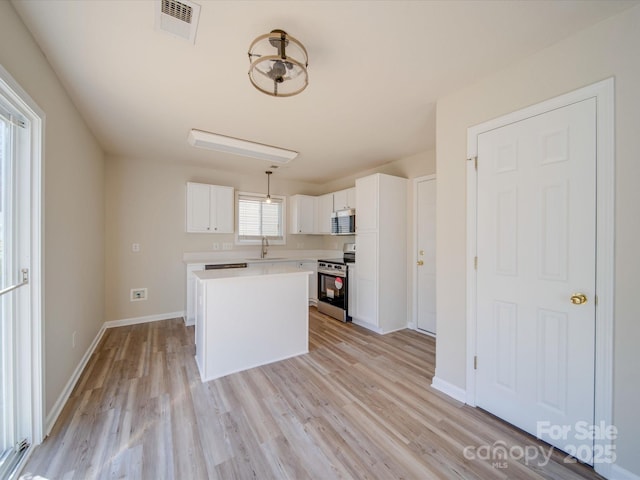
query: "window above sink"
257, 219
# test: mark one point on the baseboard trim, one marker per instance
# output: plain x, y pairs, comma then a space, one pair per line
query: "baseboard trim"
146, 319
619, 473
449, 389
367, 325
54, 413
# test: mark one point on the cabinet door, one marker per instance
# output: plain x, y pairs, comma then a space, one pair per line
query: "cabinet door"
323, 214
303, 214
198, 207
191, 293
222, 200
367, 199
209, 208
339, 200
201, 315
313, 280
367, 278
351, 197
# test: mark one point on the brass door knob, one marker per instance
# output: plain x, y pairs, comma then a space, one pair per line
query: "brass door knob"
578, 298
420, 262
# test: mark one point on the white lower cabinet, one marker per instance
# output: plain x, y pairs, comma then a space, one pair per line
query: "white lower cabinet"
366, 301
190, 294
313, 280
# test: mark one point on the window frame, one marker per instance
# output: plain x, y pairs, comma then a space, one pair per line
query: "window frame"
280, 240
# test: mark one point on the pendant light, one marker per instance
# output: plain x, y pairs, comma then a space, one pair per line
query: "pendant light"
268, 172
278, 64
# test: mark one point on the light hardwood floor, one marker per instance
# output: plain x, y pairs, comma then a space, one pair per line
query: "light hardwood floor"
359, 405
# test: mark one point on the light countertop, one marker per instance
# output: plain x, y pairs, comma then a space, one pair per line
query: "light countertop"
255, 271
278, 256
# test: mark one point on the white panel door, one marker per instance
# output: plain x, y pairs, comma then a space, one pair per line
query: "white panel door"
426, 246
536, 249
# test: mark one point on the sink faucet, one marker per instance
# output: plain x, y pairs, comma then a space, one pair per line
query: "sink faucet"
265, 245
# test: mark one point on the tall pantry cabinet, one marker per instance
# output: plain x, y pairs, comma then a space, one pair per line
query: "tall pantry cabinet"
381, 253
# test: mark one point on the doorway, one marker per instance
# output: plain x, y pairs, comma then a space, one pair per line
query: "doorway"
21, 398
424, 191
600, 96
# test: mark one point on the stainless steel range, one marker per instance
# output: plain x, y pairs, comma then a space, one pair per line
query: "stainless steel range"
333, 285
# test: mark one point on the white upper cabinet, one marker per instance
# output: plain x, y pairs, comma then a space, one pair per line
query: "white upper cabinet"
209, 208
323, 214
303, 214
367, 198
312, 215
344, 199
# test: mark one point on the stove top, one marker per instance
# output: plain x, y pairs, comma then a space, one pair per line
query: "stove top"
338, 261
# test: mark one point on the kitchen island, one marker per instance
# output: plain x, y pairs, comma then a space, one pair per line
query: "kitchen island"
247, 317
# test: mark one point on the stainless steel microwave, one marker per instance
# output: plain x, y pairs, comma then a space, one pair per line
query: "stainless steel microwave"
343, 222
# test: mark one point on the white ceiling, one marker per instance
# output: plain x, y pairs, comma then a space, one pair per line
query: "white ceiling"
376, 69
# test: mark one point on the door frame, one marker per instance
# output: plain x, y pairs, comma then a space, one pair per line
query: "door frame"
414, 257
32, 338
604, 93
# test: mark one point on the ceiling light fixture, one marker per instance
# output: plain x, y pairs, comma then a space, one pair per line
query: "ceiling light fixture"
221, 143
268, 172
278, 64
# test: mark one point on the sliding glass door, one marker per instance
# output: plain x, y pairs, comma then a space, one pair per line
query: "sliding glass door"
20, 389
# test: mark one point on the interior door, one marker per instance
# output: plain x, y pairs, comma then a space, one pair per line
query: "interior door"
426, 254
536, 275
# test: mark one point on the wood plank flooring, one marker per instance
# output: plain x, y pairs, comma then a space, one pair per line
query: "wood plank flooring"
359, 406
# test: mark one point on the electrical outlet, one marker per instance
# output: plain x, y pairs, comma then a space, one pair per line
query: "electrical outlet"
216, 246
135, 247
227, 246
138, 294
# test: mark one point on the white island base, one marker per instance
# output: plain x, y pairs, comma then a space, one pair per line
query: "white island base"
249, 317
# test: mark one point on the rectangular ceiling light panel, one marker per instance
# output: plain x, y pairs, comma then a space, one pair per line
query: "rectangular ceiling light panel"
180, 18
221, 143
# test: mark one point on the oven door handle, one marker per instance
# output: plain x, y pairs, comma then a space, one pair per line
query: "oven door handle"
332, 274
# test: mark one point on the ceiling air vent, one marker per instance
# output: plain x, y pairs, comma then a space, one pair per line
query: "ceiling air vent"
179, 18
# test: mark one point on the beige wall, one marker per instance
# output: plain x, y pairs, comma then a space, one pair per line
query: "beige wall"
73, 209
607, 49
146, 205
